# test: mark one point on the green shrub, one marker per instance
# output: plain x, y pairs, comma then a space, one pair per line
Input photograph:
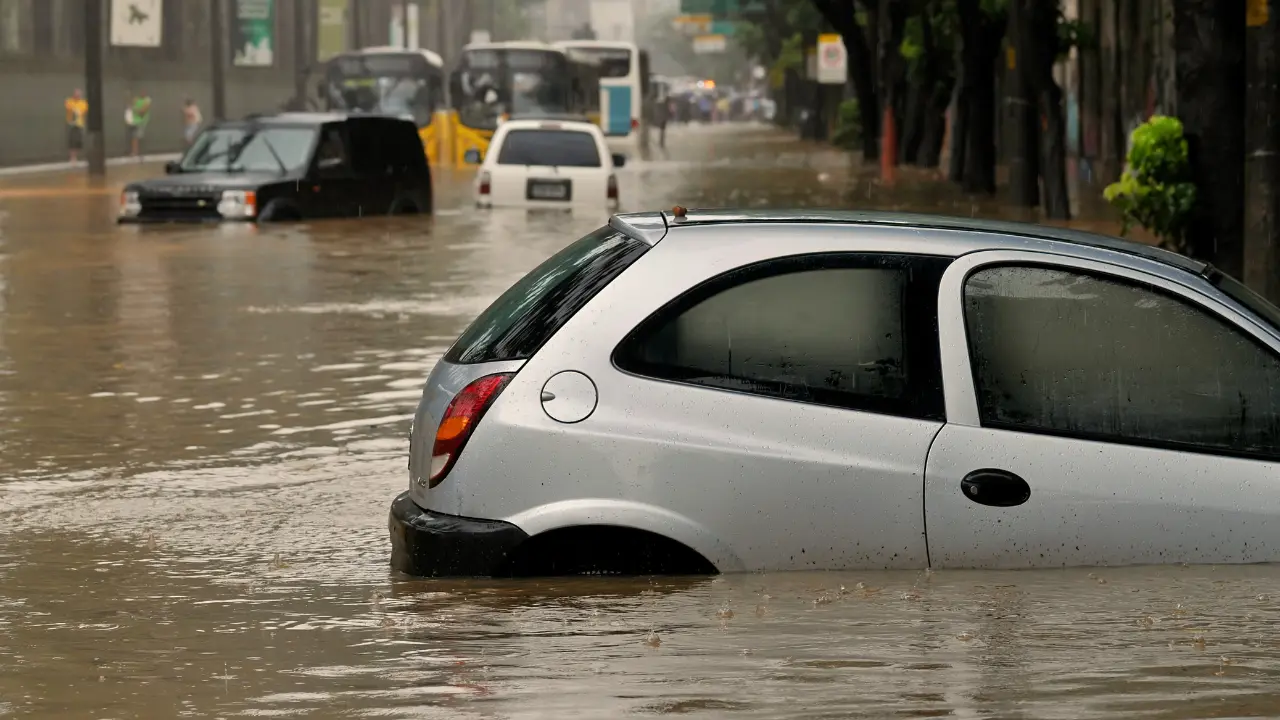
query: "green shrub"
1156, 190
848, 134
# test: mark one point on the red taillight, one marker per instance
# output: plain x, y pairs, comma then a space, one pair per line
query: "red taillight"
459, 421
484, 183
613, 188
635, 123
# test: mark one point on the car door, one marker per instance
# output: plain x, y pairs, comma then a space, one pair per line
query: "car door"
335, 190
1098, 415
784, 406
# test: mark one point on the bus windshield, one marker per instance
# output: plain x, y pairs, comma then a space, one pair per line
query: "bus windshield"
493, 83
614, 62
403, 86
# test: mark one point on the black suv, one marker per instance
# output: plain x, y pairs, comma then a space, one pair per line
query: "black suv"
291, 166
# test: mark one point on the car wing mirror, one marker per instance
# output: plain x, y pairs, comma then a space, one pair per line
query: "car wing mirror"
619, 160
472, 157
173, 167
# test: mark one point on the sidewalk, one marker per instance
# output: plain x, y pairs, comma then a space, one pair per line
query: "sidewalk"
81, 165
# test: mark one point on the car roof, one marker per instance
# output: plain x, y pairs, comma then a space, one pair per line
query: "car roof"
588, 44
512, 45
551, 123
297, 119
431, 57
652, 226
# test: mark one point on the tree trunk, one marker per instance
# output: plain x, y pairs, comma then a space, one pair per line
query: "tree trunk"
913, 125
1020, 109
980, 37
924, 79
935, 125
892, 19
1209, 37
1040, 24
1053, 163
842, 16
959, 130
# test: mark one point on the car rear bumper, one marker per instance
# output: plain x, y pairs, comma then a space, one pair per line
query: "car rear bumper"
425, 543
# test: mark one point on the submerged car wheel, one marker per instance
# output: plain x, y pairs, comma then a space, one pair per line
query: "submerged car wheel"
404, 206
279, 211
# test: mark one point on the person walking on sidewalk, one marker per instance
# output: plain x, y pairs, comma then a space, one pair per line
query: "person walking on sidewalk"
137, 116
77, 108
191, 121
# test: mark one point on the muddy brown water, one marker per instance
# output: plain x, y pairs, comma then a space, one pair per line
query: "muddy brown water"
202, 429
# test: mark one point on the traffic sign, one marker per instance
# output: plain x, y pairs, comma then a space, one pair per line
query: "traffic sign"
832, 61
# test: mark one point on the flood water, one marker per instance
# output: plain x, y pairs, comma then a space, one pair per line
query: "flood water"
201, 430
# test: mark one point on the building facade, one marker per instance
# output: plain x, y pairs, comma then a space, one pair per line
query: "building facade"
42, 62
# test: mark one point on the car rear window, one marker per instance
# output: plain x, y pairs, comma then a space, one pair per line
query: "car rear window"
565, 148
539, 304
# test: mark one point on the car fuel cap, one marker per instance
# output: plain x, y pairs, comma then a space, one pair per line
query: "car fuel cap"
569, 397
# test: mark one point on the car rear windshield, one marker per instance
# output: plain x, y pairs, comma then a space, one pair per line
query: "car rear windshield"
539, 304
565, 148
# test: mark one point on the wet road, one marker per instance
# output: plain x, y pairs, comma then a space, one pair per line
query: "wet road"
202, 429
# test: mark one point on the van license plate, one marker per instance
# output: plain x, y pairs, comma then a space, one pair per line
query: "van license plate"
549, 190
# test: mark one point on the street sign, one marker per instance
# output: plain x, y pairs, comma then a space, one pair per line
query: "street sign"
136, 23
694, 24
723, 27
722, 8
709, 44
832, 65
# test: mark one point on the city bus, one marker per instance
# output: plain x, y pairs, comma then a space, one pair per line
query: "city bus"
624, 85
387, 80
496, 81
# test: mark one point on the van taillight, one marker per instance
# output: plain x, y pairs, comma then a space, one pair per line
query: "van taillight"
484, 183
612, 192
635, 123
459, 421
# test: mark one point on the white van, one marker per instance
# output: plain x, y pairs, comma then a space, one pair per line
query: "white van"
547, 163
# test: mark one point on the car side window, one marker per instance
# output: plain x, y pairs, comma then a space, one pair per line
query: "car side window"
1066, 352
850, 331
331, 155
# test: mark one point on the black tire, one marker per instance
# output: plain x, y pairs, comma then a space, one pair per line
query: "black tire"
279, 211
404, 206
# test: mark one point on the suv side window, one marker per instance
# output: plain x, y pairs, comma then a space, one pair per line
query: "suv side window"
332, 157
1065, 352
850, 331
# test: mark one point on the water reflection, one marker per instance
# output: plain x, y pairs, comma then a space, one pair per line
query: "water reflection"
205, 426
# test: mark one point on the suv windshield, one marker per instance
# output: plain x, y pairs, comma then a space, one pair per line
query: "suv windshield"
531, 311
563, 148
250, 149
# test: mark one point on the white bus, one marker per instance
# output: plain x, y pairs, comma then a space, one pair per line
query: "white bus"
624, 84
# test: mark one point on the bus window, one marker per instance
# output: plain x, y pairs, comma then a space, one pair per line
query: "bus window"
614, 62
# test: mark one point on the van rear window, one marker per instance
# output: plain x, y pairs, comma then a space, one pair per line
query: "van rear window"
524, 317
564, 148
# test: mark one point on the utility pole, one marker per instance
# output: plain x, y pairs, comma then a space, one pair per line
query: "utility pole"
442, 33
357, 29
404, 24
301, 49
1262, 149
218, 58
493, 20
97, 155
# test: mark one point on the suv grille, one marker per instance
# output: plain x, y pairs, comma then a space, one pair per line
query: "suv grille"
181, 203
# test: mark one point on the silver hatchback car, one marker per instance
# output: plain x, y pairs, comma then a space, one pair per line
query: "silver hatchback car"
700, 392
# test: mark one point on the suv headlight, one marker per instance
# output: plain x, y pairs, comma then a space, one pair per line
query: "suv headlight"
130, 205
238, 204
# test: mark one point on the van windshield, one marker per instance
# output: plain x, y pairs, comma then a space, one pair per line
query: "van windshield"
524, 317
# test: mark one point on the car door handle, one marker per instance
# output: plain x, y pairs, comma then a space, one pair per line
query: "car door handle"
997, 488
